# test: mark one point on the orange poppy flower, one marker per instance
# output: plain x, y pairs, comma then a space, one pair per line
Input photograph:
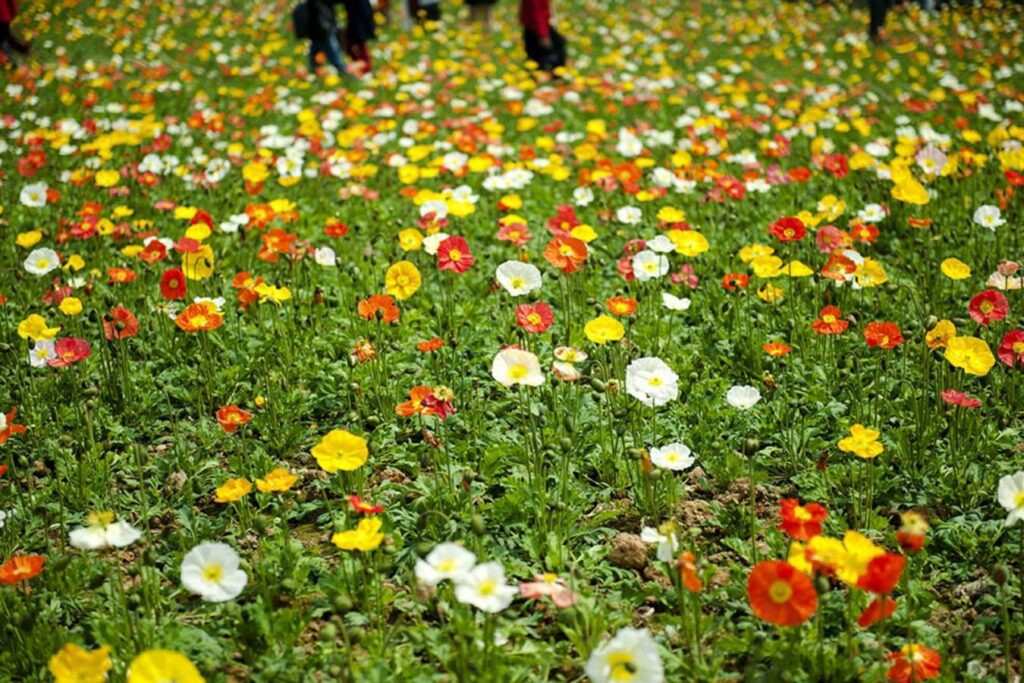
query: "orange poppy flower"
780, 594
688, 570
21, 568
364, 507
883, 335
231, 418
10, 428
566, 253
120, 275
838, 267
914, 662
198, 317
430, 345
830, 321
801, 522
414, 406
776, 349
621, 305
378, 303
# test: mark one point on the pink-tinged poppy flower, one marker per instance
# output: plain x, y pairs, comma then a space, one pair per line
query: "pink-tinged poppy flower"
959, 398
453, 254
551, 586
1011, 349
69, 350
988, 306
534, 318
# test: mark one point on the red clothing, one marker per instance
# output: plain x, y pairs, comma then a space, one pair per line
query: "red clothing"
8, 10
535, 15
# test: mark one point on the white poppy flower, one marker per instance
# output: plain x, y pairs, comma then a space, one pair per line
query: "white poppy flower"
631, 655
515, 366
445, 561
651, 381
102, 532
211, 571
743, 397
518, 278
988, 216
33, 195
324, 256
484, 587
674, 303
1011, 497
648, 265
42, 261
675, 456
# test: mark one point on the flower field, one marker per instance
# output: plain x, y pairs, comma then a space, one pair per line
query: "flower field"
701, 361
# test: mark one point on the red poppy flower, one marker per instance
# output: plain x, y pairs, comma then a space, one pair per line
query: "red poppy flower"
988, 306
780, 594
564, 221
733, 281
230, 418
380, 305
534, 318
3, 470
69, 350
1011, 349
364, 507
788, 229
172, 284
10, 428
335, 228
453, 254
959, 398
880, 608
120, 323
883, 335
800, 174
837, 165
621, 305
439, 402
801, 522
830, 321
915, 663
913, 531
153, 252
882, 574
566, 253
21, 568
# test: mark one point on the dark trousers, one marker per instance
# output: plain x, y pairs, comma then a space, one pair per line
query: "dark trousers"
878, 9
329, 46
548, 59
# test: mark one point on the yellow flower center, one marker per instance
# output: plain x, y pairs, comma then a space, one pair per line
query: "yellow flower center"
446, 566
486, 587
622, 666
829, 318
213, 573
454, 255
534, 319
655, 381
780, 592
1018, 499
801, 514
518, 282
1018, 347
517, 371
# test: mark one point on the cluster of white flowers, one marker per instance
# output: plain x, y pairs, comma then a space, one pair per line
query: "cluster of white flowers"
481, 585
